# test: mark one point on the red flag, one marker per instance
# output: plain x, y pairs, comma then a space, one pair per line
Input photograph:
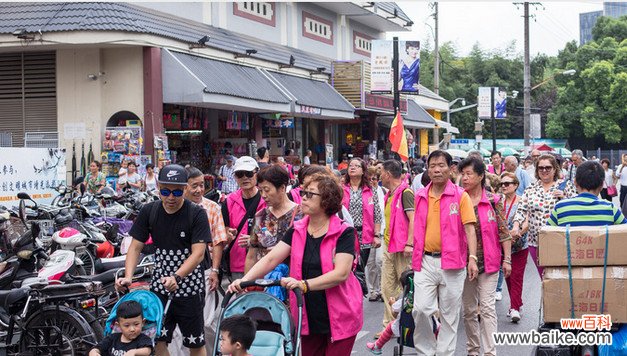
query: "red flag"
398, 138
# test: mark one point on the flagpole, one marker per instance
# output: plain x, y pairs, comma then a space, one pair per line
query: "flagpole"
395, 59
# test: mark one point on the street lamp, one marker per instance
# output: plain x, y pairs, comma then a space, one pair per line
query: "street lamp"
450, 105
566, 72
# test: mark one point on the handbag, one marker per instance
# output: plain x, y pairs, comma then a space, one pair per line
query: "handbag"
612, 191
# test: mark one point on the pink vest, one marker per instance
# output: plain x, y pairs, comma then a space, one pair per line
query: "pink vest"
296, 198
488, 221
491, 168
452, 234
367, 201
398, 220
237, 211
344, 300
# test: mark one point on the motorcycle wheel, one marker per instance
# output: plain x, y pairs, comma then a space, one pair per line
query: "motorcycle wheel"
78, 334
89, 262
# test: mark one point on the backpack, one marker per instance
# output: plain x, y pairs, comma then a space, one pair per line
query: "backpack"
154, 209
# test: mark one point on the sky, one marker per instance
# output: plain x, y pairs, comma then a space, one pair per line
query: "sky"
495, 24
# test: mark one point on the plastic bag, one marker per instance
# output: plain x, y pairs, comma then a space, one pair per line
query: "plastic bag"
619, 344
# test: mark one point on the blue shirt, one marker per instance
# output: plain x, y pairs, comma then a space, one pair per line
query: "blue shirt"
523, 179
586, 210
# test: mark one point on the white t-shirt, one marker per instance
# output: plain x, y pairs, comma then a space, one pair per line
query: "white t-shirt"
151, 184
306, 161
417, 183
622, 176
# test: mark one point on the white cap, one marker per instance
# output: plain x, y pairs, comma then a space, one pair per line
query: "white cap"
245, 163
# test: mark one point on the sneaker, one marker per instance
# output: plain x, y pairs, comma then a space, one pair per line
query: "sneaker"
499, 296
514, 315
374, 297
373, 348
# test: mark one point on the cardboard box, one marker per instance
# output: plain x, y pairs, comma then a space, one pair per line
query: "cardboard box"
587, 246
587, 289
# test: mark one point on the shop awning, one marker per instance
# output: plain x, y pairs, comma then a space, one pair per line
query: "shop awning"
417, 117
313, 98
197, 81
445, 125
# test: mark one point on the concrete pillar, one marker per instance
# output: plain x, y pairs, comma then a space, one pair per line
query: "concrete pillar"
153, 97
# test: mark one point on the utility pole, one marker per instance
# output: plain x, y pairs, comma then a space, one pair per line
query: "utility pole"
527, 84
436, 62
527, 75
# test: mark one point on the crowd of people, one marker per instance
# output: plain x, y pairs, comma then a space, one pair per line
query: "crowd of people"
343, 235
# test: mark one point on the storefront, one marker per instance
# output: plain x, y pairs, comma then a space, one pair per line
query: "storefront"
212, 107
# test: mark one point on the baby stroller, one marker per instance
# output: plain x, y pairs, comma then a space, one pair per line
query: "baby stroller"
276, 335
406, 321
152, 308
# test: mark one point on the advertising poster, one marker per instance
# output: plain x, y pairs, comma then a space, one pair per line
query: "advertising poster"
36, 171
381, 67
484, 105
408, 66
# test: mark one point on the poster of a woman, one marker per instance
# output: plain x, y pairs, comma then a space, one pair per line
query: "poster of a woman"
409, 66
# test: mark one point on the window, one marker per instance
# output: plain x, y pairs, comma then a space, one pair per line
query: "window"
362, 43
263, 12
317, 28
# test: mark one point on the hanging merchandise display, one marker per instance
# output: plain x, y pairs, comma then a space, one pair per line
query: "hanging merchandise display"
122, 143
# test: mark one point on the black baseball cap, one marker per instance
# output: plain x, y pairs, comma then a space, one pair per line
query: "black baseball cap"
173, 174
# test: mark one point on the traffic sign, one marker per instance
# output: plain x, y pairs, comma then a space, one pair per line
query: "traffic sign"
461, 141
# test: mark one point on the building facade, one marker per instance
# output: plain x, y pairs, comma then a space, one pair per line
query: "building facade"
587, 20
188, 81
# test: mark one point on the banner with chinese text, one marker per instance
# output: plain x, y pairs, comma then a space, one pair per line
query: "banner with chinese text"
36, 171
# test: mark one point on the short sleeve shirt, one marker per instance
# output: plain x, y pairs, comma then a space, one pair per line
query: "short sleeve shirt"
112, 345
433, 238
408, 205
173, 240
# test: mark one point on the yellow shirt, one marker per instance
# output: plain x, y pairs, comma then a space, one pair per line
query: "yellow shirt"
408, 205
433, 240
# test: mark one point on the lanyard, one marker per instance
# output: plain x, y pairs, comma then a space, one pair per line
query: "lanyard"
510, 207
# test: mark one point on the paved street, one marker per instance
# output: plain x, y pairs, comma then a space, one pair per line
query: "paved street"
373, 313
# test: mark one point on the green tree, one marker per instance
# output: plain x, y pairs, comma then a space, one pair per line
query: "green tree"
592, 104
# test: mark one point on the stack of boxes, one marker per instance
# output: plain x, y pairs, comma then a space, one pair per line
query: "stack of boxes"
587, 251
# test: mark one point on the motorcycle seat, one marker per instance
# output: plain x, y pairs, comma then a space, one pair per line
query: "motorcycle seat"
106, 264
9, 297
106, 277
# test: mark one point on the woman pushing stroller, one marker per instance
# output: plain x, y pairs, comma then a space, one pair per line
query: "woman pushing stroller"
322, 253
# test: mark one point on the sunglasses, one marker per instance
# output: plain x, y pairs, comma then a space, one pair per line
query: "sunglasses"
545, 168
166, 192
242, 174
308, 194
507, 184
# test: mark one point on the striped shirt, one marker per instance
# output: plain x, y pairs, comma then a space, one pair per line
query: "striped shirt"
586, 210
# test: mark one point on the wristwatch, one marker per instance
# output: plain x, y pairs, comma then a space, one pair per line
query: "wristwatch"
177, 278
216, 270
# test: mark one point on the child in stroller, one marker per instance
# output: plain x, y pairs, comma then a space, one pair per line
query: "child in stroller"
130, 340
402, 326
138, 305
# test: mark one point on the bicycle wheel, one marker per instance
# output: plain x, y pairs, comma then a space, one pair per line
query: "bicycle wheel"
78, 336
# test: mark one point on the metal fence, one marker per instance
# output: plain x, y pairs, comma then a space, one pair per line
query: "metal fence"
41, 139
613, 155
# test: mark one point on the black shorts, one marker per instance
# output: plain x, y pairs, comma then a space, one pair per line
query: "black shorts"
187, 313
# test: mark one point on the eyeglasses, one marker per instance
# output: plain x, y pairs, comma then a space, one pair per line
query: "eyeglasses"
535, 156
354, 166
166, 192
507, 184
308, 194
374, 179
241, 174
545, 168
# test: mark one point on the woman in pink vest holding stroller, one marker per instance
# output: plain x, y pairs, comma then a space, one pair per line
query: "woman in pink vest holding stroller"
322, 250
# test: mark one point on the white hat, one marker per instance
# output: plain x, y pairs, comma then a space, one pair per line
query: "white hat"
245, 163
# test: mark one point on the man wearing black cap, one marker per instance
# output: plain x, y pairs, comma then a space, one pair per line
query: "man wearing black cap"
180, 233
